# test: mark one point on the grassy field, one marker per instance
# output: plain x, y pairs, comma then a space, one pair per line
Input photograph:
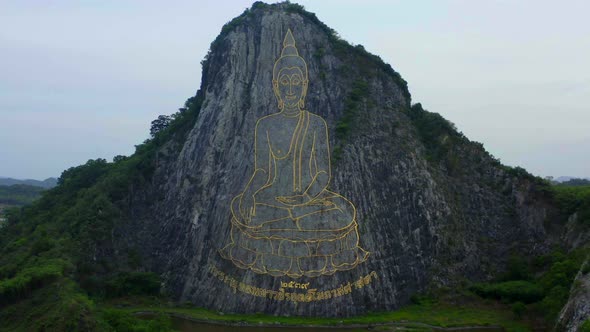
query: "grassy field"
418, 316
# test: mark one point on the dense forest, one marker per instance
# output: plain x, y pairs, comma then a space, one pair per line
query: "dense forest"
19, 194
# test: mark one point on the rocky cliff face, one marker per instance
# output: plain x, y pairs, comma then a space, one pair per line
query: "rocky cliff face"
431, 205
577, 309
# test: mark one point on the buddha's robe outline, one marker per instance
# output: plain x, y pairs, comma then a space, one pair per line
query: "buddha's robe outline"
304, 169
315, 238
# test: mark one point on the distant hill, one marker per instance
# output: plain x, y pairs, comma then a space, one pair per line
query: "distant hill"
46, 184
569, 178
575, 182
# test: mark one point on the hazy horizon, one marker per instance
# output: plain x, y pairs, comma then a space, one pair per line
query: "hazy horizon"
84, 80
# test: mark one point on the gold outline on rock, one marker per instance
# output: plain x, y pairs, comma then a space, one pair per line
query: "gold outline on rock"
311, 240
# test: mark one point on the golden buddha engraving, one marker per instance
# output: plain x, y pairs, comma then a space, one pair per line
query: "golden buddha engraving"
286, 222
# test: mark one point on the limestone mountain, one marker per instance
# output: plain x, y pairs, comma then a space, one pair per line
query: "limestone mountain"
430, 208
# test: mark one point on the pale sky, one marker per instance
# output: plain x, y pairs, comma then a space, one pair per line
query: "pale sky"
83, 79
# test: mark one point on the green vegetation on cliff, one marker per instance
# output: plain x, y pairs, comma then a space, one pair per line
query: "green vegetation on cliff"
352, 105
49, 279
574, 199
436, 133
339, 45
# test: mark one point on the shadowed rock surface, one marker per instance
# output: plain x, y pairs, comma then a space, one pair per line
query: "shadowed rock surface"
432, 207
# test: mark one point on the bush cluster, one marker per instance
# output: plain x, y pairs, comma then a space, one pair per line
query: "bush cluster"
29, 279
546, 285
511, 291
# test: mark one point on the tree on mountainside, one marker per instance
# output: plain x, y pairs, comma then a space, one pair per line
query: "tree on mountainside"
160, 124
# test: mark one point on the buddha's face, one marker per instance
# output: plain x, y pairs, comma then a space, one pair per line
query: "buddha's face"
291, 86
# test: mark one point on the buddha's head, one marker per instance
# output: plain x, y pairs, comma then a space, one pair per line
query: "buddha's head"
289, 76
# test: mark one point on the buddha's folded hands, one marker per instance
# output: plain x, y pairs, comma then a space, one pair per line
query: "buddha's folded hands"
294, 200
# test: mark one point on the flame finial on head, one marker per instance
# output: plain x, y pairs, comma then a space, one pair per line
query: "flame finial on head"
289, 59
289, 45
